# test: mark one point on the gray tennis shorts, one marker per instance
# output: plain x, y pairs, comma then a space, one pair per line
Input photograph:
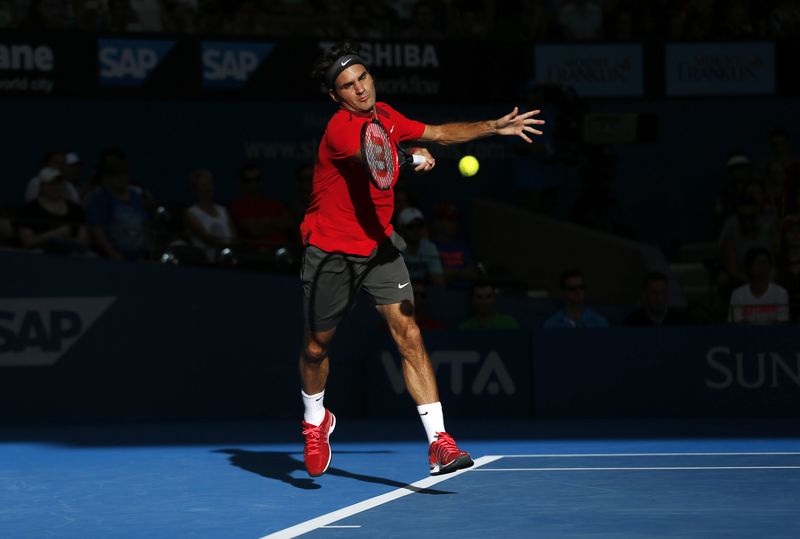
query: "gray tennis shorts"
331, 281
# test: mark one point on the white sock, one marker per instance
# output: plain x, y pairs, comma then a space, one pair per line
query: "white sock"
432, 419
315, 410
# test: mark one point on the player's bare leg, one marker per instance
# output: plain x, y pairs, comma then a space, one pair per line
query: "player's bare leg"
314, 363
443, 454
417, 369
318, 422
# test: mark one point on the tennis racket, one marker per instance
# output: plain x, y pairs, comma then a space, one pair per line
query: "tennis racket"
382, 157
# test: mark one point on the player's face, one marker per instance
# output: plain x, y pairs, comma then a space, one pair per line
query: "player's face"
355, 89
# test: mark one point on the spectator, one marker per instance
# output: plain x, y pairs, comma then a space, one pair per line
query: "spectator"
8, 14
53, 159
484, 315
759, 301
739, 171
424, 320
575, 314
262, 222
209, 225
117, 216
581, 20
421, 255
781, 161
360, 24
180, 17
788, 264
655, 310
72, 176
303, 182
6, 228
459, 268
784, 19
46, 15
51, 222
776, 192
737, 22
742, 232
425, 22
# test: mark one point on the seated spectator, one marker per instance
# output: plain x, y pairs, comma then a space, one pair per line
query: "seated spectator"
459, 268
655, 310
760, 301
424, 320
261, 222
209, 225
787, 270
117, 217
57, 160
740, 233
738, 172
421, 255
575, 314
483, 308
303, 182
581, 20
51, 222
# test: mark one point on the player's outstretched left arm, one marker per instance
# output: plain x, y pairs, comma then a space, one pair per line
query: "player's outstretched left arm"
512, 123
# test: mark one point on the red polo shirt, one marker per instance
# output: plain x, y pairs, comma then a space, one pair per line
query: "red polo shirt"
347, 213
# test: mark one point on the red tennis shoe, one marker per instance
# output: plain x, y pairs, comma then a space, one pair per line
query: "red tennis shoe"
317, 452
444, 456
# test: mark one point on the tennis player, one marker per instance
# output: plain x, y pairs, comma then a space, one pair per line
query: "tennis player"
350, 246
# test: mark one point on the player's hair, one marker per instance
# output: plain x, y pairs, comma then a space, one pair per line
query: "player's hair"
342, 48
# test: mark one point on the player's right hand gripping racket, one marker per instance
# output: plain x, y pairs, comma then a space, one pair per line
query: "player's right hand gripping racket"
381, 157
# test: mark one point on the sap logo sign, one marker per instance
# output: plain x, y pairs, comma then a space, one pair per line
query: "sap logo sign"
230, 65
489, 376
127, 62
38, 331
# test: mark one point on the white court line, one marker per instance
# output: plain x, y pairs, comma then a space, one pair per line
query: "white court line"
334, 526
579, 455
645, 468
325, 520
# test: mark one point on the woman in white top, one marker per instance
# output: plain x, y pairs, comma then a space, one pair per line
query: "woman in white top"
209, 225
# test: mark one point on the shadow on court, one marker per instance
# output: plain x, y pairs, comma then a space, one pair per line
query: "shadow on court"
280, 465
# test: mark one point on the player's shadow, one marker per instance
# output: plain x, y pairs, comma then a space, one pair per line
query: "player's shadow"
280, 465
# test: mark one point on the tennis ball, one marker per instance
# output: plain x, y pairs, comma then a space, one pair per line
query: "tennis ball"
468, 166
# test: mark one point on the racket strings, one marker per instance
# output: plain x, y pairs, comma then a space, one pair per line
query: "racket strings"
378, 156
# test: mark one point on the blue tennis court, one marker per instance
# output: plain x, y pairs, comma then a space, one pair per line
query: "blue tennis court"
246, 480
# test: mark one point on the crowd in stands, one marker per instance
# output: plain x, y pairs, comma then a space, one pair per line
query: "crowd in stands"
66, 209
759, 216
518, 20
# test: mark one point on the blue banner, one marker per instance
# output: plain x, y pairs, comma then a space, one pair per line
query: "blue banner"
733, 371
129, 62
598, 70
479, 374
231, 65
720, 68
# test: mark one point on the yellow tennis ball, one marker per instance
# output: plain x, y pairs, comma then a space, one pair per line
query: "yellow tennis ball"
468, 166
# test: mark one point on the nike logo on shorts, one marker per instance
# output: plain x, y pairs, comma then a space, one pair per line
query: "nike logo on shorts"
403, 285
426, 413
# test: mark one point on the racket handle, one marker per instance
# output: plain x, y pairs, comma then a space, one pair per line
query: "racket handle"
417, 159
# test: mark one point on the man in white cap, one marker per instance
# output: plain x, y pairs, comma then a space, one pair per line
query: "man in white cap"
59, 161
